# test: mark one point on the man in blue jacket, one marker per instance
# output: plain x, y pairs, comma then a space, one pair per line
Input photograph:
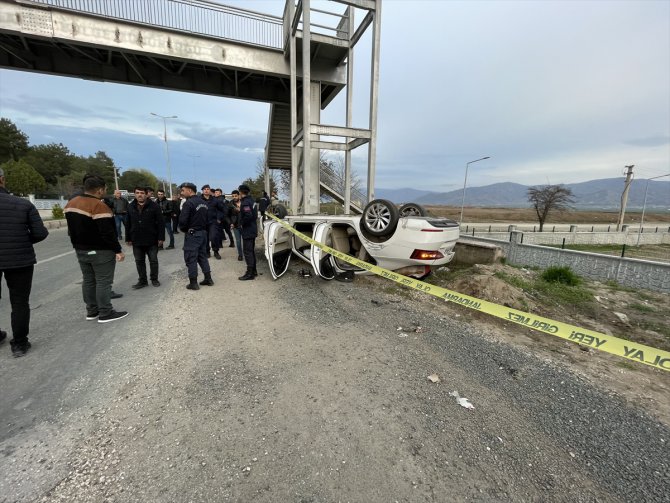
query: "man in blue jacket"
193, 223
21, 227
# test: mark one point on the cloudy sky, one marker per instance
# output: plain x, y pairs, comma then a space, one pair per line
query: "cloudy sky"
553, 91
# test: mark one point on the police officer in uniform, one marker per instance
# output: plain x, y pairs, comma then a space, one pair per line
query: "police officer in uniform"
249, 230
193, 223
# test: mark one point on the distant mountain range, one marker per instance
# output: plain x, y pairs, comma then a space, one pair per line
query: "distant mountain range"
594, 194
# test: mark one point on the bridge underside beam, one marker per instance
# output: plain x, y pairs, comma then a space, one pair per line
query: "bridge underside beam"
136, 69
77, 45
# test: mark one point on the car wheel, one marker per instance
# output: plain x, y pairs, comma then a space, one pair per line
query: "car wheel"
380, 218
412, 210
279, 210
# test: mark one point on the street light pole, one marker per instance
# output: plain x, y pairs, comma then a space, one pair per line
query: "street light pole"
193, 157
167, 149
116, 179
460, 221
644, 206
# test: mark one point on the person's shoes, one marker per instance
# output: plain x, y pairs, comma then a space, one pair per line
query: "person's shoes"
3, 335
231, 245
254, 272
91, 316
193, 284
19, 350
247, 275
240, 258
116, 295
113, 316
155, 282
171, 247
217, 256
208, 280
140, 284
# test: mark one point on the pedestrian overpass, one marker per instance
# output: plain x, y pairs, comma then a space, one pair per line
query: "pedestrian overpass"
202, 46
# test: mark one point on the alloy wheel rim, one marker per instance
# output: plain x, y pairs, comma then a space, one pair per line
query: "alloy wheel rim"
378, 217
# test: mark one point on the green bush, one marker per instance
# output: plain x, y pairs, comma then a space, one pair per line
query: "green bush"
57, 212
560, 275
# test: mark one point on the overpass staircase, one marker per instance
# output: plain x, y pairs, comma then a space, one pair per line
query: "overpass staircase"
298, 62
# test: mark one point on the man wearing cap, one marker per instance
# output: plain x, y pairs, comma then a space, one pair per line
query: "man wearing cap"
21, 227
193, 223
248, 230
215, 215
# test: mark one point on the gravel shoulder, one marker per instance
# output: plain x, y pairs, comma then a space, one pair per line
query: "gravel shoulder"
305, 390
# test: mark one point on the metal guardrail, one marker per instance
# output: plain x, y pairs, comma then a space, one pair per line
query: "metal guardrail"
201, 17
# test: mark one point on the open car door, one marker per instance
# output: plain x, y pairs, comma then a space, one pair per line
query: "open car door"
278, 249
321, 261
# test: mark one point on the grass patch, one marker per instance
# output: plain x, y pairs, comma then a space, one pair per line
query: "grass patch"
644, 308
514, 280
562, 275
657, 327
555, 293
613, 285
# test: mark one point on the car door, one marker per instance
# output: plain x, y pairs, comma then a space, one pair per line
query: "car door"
278, 249
322, 262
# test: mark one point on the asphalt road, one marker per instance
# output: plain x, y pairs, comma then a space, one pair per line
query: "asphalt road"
299, 390
65, 346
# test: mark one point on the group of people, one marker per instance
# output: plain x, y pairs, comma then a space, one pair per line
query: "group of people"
96, 227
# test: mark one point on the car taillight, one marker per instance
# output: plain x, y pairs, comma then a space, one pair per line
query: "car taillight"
426, 255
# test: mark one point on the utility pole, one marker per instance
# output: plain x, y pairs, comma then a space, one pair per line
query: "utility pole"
624, 196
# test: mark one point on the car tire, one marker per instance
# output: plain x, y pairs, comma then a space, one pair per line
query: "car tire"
380, 218
412, 210
279, 210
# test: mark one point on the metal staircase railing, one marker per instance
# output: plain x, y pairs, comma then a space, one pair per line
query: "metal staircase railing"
333, 185
201, 17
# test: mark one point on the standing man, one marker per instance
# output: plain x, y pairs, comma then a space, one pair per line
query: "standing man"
120, 210
21, 227
234, 219
145, 233
248, 230
215, 211
166, 209
92, 231
193, 223
263, 203
176, 209
225, 223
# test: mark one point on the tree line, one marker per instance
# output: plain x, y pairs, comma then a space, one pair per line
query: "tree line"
51, 170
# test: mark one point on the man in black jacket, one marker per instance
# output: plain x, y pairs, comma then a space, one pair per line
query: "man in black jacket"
166, 209
215, 214
21, 227
249, 230
145, 233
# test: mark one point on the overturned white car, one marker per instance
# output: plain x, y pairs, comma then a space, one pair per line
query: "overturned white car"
404, 240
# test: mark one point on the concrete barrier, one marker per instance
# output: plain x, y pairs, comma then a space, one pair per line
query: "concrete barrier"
472, 252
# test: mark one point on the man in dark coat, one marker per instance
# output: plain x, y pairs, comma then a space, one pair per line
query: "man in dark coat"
166, 208
249, 230
21, 227
215, 213
193, 223
145, 233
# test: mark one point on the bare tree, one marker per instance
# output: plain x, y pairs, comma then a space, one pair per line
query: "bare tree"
549, 198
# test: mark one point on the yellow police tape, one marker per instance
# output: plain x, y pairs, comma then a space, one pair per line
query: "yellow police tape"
632, 351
